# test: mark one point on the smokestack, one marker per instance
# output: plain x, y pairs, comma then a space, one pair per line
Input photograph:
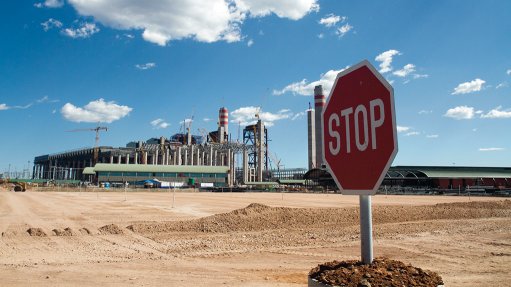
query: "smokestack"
319, 103
223, 124
311, 136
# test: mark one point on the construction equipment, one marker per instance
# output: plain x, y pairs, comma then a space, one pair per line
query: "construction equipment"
20, 186
96, 129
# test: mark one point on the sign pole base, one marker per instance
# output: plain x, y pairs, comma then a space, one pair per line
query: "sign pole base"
366, 229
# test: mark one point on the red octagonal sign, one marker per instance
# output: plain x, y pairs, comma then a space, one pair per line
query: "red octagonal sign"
359, 129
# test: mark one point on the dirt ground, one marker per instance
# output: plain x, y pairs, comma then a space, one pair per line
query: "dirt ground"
241, 239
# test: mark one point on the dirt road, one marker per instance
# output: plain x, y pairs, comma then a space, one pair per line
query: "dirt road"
222, 239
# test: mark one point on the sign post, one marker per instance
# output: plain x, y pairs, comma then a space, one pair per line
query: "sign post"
360, 139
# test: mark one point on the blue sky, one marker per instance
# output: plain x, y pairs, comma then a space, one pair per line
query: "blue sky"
142, 68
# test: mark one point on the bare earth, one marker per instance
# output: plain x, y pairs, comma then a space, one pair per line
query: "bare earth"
241, 239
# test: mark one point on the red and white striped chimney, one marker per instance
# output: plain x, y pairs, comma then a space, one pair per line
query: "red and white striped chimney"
319, 104
223, 124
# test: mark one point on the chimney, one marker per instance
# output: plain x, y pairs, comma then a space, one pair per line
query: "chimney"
319, 104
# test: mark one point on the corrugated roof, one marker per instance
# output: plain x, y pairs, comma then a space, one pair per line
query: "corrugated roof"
88, 170
291, 181
159, 168
458, 172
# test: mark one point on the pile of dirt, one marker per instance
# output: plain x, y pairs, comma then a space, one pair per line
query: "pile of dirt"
66, 232
85, 231
382, 272
32, 231
258, 217
111, 229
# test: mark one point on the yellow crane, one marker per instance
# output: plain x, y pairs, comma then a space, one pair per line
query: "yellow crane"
96, 129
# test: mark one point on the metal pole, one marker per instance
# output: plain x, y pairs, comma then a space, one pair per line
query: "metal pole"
366, 229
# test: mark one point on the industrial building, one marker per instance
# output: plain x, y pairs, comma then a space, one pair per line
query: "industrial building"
207, 158
214, 159
401, 177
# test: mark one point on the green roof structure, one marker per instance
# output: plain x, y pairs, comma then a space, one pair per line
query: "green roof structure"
452, 171
102, 167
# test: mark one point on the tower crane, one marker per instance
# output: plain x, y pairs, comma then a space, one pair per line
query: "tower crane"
96, 129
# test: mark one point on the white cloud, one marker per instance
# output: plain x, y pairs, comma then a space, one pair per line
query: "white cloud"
508, 72
321, 35
305, 88
425, 112
50, 4
502, 85
432, 136
4, 107
95, 111
407, 69
206, 119
401, 129
420, 76
469, 87
145, 66
386, 60
298, 116
85, 31
292, 9
250, 43
203, 21
159, 124
344, 29
497, 113
186, 122
46, 99
412, 134
246, 116
330, 20
51, 23
491, 149
460, 113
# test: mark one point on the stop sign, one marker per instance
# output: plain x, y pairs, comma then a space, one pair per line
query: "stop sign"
359, 129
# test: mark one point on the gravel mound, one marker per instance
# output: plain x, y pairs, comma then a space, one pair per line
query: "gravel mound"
382, 272
32, 231
111, 229
259, 217
66, 232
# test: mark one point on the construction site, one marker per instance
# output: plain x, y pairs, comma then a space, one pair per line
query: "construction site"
214, 160
210, 159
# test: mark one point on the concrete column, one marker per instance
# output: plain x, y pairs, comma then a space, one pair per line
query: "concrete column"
228, 159
215, 158
174, 162
145, 157
197, 157
179, 158
186, 157
128, 159
136, 157
119, 159
210, 156
245, 166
